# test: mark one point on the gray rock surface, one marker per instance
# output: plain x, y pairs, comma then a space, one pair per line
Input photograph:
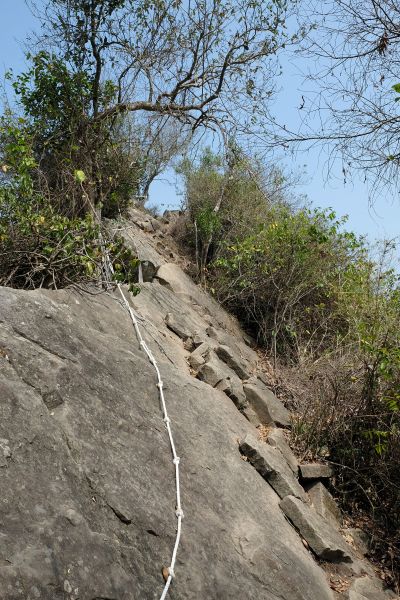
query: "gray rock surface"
267, 406
199, 356
235, 362
251, 415
87, 503
360, 538
173, 277
276, 438
217, 374
272, 466
226, 336
324, 503
232, 387
316, 471
178, 325
143, 243
367, 588
213, 371
321, 536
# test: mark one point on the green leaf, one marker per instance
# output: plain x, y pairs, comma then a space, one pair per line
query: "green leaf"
80, 176
396, 87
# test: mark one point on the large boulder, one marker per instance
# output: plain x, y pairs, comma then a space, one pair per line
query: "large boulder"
88, 496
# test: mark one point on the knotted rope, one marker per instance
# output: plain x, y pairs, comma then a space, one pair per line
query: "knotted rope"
109, 271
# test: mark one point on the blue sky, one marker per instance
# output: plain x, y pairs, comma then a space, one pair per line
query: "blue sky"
381, 220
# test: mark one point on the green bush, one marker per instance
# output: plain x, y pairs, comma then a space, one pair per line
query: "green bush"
289, 280
39, 246
56, 106
223, 201
327, 313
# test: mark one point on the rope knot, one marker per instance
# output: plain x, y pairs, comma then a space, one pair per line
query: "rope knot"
167, 420
176, 460
179, 513
160, 384
171, 572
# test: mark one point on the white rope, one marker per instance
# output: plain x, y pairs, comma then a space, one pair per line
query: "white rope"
175, 458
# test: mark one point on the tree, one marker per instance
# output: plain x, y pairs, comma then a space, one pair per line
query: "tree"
173, 58
203, 63
351, 108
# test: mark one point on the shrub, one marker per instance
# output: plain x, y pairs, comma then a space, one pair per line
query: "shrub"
40, 247
287, 280
314, 297
224, 200
56, 108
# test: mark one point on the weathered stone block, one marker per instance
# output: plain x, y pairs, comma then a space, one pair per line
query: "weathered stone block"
233, 360
267, 406
233, 388
316, 471
322, 537
178, 326
211, 372
251, 415
276, 438
199, 356
324, 503
272, 466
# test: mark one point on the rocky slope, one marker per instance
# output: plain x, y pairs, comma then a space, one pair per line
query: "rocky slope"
87, 483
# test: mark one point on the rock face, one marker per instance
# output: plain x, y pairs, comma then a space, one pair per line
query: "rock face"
87, 506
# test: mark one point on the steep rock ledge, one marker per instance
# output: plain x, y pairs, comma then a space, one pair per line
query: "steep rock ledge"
87, 503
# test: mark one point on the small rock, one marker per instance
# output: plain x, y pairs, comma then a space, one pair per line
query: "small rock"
228, 356
267, 406
5, 448
315, 471
73, 516
276, 438
323, 538
177, 326
272, 466
324, 503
